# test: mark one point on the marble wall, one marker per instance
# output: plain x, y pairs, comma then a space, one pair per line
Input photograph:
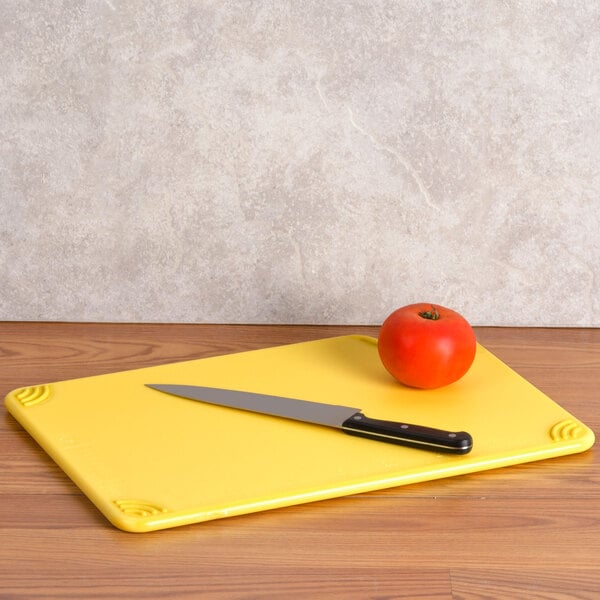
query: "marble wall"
299, 161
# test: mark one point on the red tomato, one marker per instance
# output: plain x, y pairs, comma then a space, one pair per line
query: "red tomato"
426, 346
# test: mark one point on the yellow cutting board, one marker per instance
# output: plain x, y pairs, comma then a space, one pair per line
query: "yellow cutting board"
151, 461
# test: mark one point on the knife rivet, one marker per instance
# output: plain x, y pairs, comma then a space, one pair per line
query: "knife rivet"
452, 435
357, 417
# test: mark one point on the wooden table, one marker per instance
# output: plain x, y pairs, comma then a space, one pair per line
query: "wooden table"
530, 531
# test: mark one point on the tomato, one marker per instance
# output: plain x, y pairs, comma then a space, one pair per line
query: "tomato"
426, 346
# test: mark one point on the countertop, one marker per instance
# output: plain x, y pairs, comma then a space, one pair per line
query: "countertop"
528, 531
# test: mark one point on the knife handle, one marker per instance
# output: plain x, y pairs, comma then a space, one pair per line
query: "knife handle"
415, 436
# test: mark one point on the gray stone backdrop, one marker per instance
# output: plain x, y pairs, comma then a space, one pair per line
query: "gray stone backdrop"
299, 161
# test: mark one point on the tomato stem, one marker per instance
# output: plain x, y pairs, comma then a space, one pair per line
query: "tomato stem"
434, 315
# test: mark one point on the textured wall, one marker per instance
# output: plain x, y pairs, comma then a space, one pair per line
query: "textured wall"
299, 161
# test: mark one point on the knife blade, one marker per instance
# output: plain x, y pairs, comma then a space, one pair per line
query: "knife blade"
349, 420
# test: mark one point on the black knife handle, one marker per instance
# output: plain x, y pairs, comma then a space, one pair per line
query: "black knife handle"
415, 436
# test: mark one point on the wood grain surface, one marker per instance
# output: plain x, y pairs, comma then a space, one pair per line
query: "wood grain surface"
529, 531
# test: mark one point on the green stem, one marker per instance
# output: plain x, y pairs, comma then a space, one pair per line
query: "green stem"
434, 315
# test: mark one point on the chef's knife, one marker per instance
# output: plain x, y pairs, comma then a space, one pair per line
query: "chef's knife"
349, 420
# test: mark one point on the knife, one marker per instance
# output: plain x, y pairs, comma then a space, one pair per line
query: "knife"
347, 419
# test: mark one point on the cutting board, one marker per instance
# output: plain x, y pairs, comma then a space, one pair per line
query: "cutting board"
151, 461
